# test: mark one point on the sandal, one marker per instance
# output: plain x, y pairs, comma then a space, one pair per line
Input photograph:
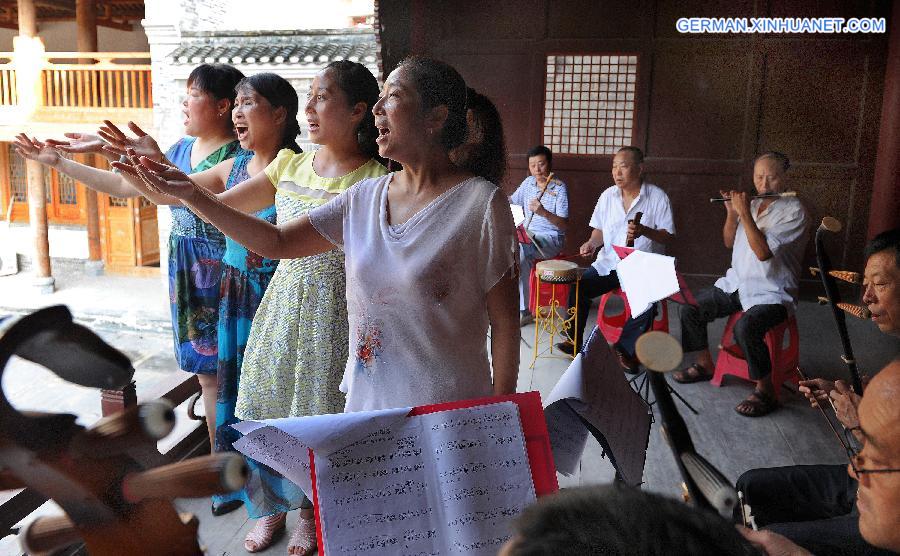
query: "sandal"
303, 538
694, 373
264, 532
757, 404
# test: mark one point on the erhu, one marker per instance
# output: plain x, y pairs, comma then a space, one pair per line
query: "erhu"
833, 296
111, 501
704, 485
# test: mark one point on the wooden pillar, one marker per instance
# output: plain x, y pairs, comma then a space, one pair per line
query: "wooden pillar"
86, 23
37, 218
884, 210
27, 18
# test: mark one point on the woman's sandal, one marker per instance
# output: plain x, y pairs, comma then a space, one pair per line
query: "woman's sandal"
264, 532
757, 404
303, 538
694, 373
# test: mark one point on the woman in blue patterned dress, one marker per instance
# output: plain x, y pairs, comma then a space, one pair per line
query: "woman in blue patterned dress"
195, 247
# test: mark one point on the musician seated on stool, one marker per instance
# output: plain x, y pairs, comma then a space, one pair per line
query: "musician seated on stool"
767, 237
619, 520
813, 505
612, 223
545, 201
876, 469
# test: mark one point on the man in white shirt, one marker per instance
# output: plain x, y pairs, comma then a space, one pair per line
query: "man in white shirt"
768, 237
613, 224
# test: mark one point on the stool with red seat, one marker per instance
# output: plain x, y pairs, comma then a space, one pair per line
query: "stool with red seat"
785, 360
611, 325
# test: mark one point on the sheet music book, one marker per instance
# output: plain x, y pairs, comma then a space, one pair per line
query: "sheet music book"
440, 479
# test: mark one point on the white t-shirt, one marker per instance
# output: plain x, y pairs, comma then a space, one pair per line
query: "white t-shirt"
416, 292
611, 218
775, 281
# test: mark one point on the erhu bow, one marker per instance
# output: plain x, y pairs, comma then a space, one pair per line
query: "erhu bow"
833, 297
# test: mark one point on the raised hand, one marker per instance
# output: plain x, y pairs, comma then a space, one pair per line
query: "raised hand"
33, 149
81, 143
142, 143
158, 177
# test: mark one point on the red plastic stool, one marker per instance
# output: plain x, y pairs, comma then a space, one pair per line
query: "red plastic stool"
611, 325
785, 360
562, 290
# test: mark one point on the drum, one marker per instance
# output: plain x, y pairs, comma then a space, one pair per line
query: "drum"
556, 271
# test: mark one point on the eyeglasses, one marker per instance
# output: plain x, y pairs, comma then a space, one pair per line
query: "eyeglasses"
856, 463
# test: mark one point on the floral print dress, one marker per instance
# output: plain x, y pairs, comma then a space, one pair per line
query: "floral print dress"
195, 270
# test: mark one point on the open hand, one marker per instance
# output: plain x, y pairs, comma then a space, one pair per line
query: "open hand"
142, 143
32, 149
158, 177
816, 390
81, 143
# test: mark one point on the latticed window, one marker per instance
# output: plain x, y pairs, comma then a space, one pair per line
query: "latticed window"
589, 103
18, 183
68, 192
118, 201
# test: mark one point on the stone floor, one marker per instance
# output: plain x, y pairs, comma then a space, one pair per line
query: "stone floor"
793, 435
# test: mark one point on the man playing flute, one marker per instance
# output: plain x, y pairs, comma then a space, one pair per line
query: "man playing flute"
767, 237
613, 224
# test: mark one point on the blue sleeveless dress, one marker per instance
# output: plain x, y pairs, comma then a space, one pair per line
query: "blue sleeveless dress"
195, 259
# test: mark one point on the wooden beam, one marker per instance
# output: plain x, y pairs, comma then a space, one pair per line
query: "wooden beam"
61, 5
113, 24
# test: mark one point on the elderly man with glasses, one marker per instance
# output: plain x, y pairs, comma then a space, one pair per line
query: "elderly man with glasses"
838, 509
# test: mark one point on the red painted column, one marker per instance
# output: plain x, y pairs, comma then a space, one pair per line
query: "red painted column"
884, 212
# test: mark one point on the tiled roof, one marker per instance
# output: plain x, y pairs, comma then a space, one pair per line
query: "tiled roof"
278, 49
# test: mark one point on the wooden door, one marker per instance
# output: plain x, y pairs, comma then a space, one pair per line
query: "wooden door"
129, 235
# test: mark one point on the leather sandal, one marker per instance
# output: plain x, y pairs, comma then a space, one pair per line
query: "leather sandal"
302, 541
757, 404
692, 374
264, 532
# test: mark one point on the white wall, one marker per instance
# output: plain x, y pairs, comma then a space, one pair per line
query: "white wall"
59, 36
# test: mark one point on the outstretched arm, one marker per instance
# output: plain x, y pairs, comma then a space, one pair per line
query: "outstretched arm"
103, 181
503, 313
294, 239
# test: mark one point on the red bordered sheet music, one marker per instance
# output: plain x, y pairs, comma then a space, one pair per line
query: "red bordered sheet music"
534, 429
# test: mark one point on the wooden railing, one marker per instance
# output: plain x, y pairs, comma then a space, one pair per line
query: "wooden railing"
87, 80
8, 95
